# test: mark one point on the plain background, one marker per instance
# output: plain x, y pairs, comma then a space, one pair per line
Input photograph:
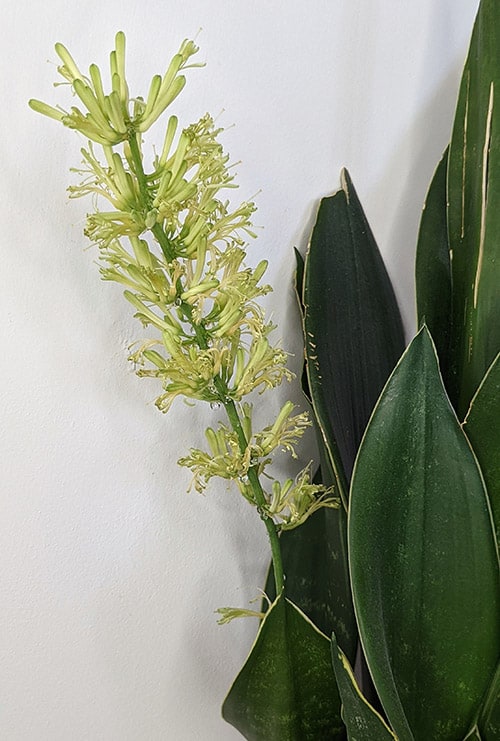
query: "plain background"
110, 571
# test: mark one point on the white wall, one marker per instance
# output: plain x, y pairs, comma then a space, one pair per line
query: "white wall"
110, 572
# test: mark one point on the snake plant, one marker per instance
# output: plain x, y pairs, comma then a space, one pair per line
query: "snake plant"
383, 603
405, 577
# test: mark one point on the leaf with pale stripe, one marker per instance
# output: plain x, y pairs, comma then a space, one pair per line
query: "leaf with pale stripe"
432, 267
489, 719
474, 213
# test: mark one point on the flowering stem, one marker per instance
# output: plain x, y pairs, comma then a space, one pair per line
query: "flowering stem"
253, 478
139, 170
157, 230
229, 405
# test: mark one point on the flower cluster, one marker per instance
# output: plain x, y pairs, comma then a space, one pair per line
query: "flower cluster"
288, 504
227, 459
178, 247
110, 117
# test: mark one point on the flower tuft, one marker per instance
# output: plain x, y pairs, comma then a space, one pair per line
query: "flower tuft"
175, 242
108, 118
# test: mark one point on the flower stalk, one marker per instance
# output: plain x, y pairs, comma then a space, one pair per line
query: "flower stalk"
179, 250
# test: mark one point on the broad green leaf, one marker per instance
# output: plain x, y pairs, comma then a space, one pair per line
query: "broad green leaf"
423, 559
314, 555
432, 267
363, 723
473, 212
482, 426
352, 326
286, 690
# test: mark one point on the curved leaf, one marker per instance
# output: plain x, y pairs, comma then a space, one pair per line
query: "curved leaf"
432, 266
315, 555
286, 690
352, 326
473, 735
482, 427
489, 719
363, 723
473, 213
422, 555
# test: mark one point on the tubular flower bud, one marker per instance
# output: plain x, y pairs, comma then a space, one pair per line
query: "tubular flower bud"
292, 502
109, 118
225, 459
285, 432
265, 368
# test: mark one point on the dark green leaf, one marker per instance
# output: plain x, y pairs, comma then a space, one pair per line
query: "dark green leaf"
353, 330
317, 577
315, 556
363, 723
482, 426
423, 560
286, 690
432, 268
473, 214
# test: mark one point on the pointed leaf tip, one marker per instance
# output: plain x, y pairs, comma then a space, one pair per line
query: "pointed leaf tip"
286, 688
431, 573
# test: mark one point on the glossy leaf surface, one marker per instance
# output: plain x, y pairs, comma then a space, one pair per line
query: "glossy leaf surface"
353, 330
363, 723
473, 214
432, 268
482, 426
314, 555
422, 554
286, 690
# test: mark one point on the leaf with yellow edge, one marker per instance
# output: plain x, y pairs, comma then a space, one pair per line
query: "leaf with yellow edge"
363, 723
423, 558
286, 690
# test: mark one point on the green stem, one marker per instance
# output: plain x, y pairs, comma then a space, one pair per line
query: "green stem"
253, 478
139, 170
157, 229
163, 241
229, 405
